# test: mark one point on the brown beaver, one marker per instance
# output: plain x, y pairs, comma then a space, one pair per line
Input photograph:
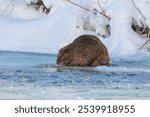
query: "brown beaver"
86, 50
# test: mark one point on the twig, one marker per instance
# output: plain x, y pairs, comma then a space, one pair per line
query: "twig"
11, 1
148, 40
138, 10
77, 5
12, 7
148, 2
100, 6
102, 13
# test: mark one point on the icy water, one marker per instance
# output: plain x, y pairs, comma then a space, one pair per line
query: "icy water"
36, 76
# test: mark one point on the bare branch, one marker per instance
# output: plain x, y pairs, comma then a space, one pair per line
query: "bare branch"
146, 29
102, 13
100, 6
77, 5
10, 3
138, 10
148, 2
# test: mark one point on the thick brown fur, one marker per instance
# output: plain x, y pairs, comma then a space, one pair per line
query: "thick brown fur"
86, 50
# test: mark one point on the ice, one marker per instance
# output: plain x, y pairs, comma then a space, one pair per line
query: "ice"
36, 76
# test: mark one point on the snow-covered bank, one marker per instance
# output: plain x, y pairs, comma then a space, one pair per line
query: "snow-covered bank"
44, 35
27, 30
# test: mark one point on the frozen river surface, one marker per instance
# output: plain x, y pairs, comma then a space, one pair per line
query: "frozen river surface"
36, 76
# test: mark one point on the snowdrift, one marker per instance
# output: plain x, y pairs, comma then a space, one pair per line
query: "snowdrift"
24, 29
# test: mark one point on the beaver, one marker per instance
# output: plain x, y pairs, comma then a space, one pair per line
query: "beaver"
86, 50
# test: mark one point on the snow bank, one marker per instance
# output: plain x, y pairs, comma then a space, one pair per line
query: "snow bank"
43, 35
24, 29
123, 40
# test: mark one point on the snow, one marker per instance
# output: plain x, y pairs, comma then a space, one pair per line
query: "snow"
121, 37
24, 29
43, 35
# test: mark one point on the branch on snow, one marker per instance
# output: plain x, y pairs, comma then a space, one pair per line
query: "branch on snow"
144, 29
103, 12
40, 4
